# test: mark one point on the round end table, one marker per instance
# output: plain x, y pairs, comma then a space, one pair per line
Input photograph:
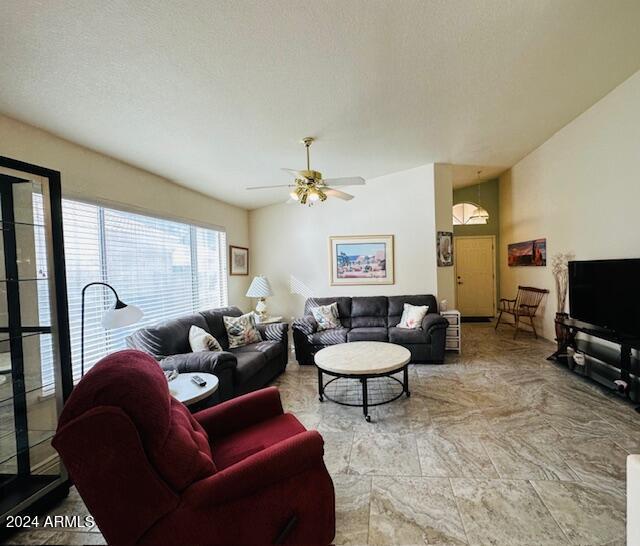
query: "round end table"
183, 389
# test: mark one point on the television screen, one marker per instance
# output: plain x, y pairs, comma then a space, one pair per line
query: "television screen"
606, 293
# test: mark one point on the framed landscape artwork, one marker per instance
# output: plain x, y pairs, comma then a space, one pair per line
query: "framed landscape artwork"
361, 259
238, 260
528, 253
444, 248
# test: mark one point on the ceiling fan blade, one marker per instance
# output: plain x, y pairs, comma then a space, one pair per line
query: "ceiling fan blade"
291, 171
348, 181
269, 187
337, 193
290, 201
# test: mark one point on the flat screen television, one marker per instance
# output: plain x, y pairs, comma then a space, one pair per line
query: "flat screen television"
606, 293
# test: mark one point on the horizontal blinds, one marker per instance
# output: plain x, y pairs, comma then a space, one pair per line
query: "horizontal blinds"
166, 268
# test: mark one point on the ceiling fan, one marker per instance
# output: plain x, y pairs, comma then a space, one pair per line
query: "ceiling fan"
309, 186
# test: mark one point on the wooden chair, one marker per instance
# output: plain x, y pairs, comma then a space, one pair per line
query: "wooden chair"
525, 305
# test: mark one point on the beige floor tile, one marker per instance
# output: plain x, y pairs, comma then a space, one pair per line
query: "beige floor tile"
414, 511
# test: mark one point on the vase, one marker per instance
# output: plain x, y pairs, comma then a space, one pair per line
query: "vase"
562, 332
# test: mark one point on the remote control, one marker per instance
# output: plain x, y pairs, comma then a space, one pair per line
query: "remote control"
198, 381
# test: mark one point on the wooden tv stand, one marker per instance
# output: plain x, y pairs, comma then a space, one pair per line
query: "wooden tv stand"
620, 365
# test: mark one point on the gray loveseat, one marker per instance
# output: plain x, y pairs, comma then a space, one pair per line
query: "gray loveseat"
239, 370
373, 318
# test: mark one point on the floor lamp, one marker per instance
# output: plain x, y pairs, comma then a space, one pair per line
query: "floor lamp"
118, 316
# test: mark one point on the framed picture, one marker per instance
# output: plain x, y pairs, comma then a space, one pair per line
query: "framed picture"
444, 248
528, 253
361, 259
238, 260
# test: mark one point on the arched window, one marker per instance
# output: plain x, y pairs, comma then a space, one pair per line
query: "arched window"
465, 214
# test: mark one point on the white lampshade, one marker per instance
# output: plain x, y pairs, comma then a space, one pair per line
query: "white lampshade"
121, 315
260, 288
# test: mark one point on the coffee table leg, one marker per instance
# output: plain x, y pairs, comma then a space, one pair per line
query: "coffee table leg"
365, 400
320, 386
406, 381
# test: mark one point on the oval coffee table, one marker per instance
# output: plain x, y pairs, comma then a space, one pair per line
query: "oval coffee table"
363, 360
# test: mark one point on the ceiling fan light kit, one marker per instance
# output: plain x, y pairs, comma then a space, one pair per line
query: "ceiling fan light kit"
309, 187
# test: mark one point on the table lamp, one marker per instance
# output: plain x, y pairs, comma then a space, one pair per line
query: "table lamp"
261, 289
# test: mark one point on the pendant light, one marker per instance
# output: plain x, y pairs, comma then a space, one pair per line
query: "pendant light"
480, 215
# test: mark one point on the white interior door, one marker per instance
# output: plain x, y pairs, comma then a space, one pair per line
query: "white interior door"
475, 276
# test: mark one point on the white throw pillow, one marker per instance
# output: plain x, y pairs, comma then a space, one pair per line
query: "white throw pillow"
412, 316
242, 330
326, 316
201, 340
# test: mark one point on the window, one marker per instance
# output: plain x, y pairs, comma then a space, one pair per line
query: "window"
166, 268
465, 214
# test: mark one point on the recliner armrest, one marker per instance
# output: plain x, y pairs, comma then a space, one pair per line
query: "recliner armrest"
276, 331
201, 361
269, 466
306, 325
241, 412
434, 321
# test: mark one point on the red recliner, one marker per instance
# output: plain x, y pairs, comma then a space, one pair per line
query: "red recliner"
243, 472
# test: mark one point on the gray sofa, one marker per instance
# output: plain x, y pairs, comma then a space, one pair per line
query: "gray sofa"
373, 318
239, 370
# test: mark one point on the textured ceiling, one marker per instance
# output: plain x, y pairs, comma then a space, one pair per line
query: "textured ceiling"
216, 94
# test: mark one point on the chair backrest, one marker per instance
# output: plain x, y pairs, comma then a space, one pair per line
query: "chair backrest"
130, 447
530, 297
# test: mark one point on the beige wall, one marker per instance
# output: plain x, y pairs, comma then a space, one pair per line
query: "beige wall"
90, 175
289, 243
443, 190
580, 190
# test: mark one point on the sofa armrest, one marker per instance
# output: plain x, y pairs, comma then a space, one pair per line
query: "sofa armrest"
434, 321
274, 332
269, 466
201, 361
240, 412
306, 325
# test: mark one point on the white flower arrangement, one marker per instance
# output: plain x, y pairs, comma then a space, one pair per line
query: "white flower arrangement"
560, 269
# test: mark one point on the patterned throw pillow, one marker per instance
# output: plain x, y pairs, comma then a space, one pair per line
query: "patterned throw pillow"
326, 316
201, 340
412, 316
242, 330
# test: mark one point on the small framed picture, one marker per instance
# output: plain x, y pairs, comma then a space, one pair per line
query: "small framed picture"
444, 248
238, 260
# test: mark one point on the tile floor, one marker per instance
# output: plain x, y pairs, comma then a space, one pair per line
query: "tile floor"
498, 446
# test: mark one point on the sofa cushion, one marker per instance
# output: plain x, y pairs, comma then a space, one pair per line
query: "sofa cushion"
367, 334
168, 338
367, 312
326, 316
403, 335
270, 349
396, 306
249, 364
244, 443
242, 330
344, 308
329, 337
215, 322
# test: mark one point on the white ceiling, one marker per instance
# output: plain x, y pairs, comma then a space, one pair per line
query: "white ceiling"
468, 175
216, 94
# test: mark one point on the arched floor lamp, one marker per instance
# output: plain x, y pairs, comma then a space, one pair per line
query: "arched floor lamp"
118, 316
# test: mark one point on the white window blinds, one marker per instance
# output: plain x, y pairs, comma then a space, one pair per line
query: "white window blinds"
166, 268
